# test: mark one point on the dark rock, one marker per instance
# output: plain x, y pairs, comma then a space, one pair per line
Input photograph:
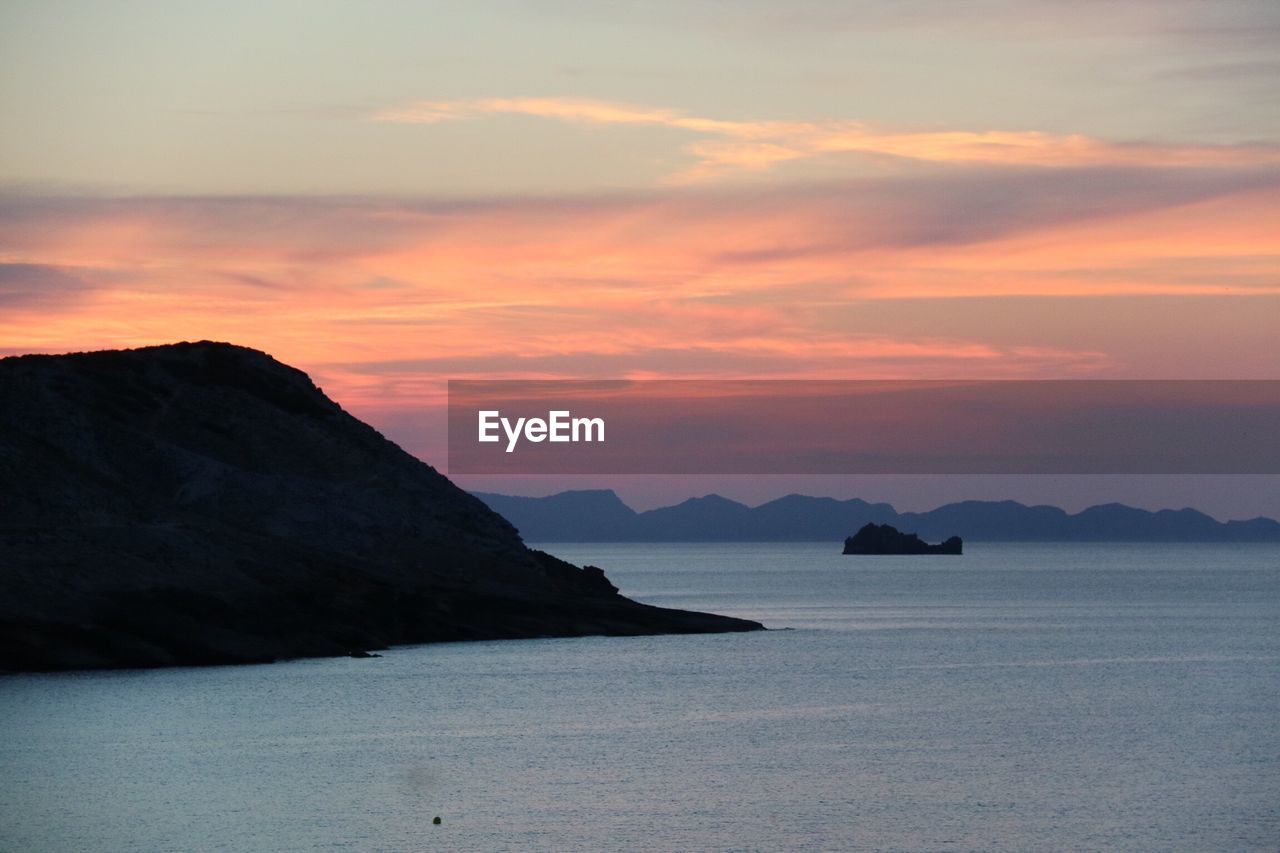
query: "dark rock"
884, 539
204, 503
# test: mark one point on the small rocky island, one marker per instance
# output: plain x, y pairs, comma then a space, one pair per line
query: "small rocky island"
205, 504
887, 540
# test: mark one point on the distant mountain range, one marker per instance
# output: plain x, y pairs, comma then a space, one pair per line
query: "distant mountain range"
601, 516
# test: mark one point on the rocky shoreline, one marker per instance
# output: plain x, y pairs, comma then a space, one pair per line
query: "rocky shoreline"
202, 503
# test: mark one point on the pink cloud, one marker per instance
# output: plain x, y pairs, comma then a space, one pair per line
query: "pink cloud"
727, 147
667, 283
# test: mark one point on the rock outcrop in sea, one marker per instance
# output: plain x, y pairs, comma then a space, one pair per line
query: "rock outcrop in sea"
202, 503
886, 539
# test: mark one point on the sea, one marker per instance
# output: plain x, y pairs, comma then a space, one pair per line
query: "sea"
1023, 697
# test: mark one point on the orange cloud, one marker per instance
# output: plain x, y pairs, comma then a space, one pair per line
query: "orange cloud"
738, 146
383, 299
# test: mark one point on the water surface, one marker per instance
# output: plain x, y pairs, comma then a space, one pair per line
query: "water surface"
1019, 697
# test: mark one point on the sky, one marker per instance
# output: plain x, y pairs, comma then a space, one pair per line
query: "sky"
392, 194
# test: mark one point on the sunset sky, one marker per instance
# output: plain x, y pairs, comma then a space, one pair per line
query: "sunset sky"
391, 194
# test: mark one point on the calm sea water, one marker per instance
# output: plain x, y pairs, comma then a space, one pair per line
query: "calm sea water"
1022, 697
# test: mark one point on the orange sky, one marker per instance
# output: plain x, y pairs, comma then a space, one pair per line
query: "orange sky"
830, 193
692, 282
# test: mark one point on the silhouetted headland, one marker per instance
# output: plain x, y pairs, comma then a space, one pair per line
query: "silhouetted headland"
202, 503
885, 539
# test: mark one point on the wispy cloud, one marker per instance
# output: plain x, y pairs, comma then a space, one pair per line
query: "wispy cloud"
789, 280
38, 286
728, 146
1230, 23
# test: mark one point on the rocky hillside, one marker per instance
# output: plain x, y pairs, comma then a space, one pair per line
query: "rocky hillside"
204, 503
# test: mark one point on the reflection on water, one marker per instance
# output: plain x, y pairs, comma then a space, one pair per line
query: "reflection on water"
1020, 697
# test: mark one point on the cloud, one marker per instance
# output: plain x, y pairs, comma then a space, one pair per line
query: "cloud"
42, 286
728, 147
678, 244
415, 381
1262, 72
728, 225
1226, 23
689, 281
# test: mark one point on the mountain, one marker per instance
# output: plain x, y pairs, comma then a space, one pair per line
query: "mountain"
595, 515
601, 516
204, 503
800, 518
689, 521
